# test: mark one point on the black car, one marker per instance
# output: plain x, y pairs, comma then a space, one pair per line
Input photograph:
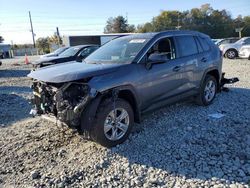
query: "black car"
56, 52
75, 53
127, 77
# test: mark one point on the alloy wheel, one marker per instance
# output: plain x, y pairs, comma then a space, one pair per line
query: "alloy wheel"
210, 90
116, 124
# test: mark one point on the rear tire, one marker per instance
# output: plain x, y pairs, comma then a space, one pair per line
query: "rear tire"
208, 91
112, 124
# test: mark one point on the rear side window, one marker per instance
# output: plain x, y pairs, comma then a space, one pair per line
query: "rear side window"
200, 49
204, 44
187, 45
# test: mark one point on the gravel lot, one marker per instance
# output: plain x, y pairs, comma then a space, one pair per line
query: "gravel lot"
177, 146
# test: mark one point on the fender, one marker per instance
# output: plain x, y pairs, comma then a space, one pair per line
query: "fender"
88, 114
208, 70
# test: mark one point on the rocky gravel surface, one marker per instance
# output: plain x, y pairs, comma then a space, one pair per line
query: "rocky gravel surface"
177, 146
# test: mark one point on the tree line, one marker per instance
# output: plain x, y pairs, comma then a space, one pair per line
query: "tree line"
215, 23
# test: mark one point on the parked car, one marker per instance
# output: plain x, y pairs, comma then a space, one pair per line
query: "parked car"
126, 78
244, 52
76, 53
226, 41
55, 53
231, 51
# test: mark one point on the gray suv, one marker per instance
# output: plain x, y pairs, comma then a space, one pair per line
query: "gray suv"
127, 77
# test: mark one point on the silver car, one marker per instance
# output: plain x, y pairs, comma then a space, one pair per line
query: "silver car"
244, 52
231, 51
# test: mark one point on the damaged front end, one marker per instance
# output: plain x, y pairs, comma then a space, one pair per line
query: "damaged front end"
225, 81
64, 101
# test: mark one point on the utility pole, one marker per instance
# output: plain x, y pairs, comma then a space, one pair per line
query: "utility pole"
178, 26
58, 36
33, 35
239, 30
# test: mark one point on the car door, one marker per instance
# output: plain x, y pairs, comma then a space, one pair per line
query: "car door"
162, 81
188, 54
205, 58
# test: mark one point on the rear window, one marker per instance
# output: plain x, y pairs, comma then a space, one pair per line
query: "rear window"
204, 44
187, 45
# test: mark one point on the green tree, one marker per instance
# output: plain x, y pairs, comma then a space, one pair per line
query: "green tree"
147, 27
55, 39
1, 39
246, 28
43, 44
216, 23
167, 20
118, 24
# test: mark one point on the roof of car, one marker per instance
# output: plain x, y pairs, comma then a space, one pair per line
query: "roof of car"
170, 33
86, 45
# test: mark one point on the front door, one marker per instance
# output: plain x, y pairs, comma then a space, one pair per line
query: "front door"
163, 80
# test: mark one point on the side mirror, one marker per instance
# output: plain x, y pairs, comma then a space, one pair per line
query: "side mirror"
155, 59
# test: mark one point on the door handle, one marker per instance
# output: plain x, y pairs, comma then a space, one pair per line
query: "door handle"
204, 60
177, 68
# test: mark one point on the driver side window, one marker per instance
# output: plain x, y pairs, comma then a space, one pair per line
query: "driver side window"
163, 47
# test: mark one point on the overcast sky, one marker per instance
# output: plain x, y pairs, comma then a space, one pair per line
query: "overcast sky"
76, 17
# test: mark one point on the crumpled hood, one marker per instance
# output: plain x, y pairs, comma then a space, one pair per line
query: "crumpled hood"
45, 59
71, 71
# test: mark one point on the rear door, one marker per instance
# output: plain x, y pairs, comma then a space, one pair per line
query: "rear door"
206, 58
188, 53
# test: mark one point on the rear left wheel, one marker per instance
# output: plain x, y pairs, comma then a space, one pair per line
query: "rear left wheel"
208, 91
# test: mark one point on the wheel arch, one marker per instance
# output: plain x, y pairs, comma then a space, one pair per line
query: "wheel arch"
234, 49
213, 72
125, 92
129, 96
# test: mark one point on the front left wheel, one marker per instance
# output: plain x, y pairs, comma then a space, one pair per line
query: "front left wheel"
113, 122
231, 54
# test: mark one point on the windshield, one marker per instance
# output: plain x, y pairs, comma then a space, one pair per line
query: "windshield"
241, 40
69, 52
122, 50
60, 50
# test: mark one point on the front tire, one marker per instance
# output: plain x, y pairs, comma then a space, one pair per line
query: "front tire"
112, 123
208, 91
231, 54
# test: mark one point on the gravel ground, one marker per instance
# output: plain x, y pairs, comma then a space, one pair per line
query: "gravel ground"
177, 146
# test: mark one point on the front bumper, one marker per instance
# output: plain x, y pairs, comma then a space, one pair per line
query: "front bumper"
244, 55
66, 102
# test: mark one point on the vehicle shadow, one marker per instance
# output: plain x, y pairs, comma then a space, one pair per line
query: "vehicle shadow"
13, 73
182, 140
14, 104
